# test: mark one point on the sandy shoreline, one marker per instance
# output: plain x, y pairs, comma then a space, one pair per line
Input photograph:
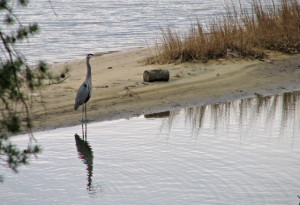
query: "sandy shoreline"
119, 90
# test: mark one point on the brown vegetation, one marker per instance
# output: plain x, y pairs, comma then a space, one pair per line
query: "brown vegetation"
238, 33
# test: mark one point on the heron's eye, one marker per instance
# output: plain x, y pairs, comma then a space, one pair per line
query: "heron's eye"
84, 85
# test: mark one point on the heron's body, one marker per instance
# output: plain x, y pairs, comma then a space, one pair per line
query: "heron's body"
85, 90
84, 93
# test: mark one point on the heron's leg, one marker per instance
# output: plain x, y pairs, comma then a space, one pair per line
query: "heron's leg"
82, 114
85, 133
82, 130
85, 112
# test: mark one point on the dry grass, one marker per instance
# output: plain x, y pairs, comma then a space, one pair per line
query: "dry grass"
238, 33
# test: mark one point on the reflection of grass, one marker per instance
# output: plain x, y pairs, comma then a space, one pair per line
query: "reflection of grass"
245, 112
237, 33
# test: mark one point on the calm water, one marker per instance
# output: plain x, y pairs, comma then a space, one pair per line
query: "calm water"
71, 29
243, 152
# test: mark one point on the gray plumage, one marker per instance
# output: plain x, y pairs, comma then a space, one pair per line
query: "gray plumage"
85, 90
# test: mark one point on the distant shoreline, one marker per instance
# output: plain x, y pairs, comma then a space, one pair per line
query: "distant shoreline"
119, 90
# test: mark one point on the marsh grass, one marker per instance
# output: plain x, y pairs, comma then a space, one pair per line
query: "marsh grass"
237, 33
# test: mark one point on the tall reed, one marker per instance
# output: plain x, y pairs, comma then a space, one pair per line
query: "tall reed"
238, 33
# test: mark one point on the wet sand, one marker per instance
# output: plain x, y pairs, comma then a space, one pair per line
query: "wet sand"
120, 92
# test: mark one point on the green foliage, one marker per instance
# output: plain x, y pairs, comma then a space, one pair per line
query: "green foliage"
18, 80
12, 156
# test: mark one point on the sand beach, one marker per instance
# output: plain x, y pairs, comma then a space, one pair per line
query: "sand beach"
119, 90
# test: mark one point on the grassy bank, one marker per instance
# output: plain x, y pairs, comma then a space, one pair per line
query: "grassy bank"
238, 33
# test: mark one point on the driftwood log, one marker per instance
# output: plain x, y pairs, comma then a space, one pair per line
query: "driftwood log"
156, 75
158, 115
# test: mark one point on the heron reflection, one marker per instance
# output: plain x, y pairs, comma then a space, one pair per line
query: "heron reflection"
86, 155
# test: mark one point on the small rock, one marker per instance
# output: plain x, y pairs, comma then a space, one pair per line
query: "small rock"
179, 75
258, 95
102, 86
266, 60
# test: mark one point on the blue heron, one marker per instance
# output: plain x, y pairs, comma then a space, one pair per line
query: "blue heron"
85, 90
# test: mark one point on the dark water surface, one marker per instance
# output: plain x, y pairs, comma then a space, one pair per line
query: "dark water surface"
241, 152
70, 29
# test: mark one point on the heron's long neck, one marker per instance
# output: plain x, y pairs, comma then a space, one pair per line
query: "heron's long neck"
89, 74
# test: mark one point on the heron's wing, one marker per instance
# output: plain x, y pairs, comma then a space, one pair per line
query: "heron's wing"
83, 95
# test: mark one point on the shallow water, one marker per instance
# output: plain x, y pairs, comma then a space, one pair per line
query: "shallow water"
71, 29
242, 152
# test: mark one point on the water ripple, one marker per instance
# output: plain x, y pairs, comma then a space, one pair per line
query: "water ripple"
69, 29
243, 152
